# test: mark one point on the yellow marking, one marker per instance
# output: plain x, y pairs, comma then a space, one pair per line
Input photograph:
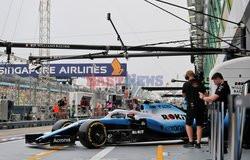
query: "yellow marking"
159, 152
117, 70
45, 153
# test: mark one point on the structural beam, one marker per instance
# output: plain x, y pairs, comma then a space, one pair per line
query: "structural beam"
172, 95
161, 88
117, 48
130, 55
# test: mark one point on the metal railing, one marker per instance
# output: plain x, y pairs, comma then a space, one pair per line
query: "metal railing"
237, 110
216, 139
29, 91
237, 114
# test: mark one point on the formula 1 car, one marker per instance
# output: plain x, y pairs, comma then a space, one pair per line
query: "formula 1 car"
159, 121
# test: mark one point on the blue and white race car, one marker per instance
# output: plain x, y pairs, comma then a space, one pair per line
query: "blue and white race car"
159, 121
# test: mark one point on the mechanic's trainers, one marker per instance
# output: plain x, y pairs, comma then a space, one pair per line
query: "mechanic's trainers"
188, 145
198, 145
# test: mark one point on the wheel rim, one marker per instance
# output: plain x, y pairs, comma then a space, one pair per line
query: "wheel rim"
97, 134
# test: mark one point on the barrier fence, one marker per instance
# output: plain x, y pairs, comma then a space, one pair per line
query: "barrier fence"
216, 138
31, 91
31, 96
34, 98
237, 112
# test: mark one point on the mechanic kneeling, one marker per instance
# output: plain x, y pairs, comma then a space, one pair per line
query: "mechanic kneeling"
195, 107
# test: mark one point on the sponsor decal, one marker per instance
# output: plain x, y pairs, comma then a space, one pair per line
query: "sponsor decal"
61, 140
47, 45
176, 128
67, 70
174, 116
137, 131
117, 68
159, 106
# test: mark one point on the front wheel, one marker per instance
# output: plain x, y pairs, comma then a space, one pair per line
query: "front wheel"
92, 134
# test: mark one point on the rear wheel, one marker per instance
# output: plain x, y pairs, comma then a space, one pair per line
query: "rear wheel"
61, 124
92, 134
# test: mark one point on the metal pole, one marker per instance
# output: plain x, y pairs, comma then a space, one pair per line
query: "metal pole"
211, 116
49, 99
230, 127
118, 35
117, 48
214, 133
243, 40
130, 55
242, 113
242, 118
237, 135
232, 141
220, 131
18, 91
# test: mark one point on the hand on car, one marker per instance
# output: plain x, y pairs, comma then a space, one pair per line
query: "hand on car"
201, 95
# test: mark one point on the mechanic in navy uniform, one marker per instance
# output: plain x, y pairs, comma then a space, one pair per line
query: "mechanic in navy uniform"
221, 95
195, 107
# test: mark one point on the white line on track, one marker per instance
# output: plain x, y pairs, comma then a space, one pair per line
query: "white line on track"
12, 141
102, 153
19, 135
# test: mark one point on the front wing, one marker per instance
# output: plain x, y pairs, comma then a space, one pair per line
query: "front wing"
53, 140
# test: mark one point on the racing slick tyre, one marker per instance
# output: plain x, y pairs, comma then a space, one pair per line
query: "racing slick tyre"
63, 123
92, 134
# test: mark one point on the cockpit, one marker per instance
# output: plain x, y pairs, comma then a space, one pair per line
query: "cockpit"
118, 115
122, 114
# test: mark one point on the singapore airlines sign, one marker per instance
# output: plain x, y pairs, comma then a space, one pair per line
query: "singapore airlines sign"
67, 70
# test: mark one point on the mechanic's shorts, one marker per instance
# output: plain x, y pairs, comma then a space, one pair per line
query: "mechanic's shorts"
195, 113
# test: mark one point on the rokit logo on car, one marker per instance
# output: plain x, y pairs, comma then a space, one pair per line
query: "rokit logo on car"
174, 116
61, 140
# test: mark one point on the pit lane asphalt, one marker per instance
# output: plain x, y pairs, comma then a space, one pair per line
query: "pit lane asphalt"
13, 147
16, 149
